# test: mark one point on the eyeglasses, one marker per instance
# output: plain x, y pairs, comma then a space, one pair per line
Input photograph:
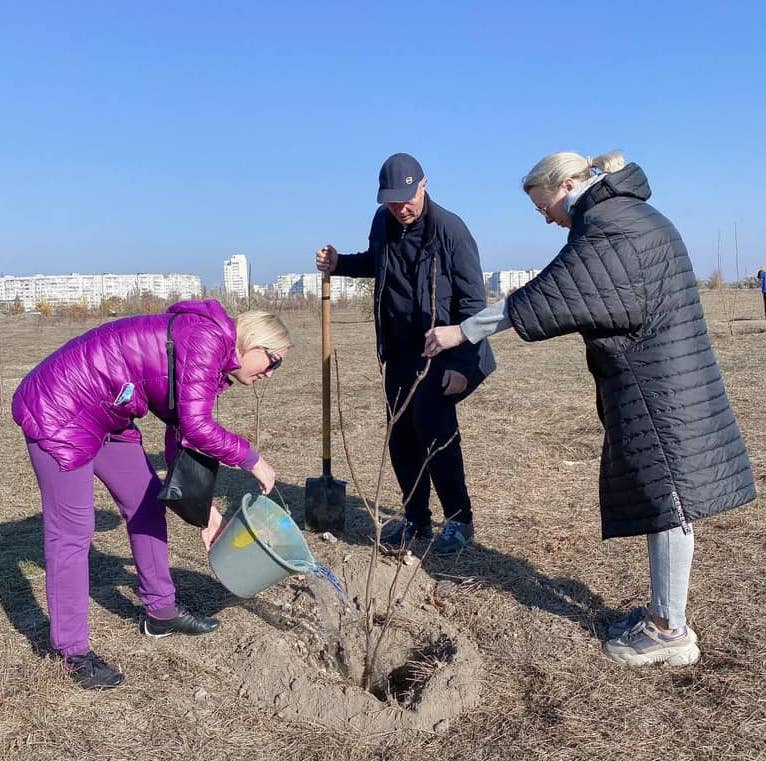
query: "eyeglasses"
275, 360
553, 199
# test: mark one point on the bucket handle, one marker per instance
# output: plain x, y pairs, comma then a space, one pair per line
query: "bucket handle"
281, 499
248, 500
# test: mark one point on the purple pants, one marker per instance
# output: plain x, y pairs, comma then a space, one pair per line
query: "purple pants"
69, 523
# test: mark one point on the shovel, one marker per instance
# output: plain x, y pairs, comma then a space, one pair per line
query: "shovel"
325, 496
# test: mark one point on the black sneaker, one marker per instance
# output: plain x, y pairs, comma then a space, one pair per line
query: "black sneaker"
92, 673
183, 623
401, 533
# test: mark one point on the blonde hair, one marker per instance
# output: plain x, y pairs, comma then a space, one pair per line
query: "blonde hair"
261, 329
550, 172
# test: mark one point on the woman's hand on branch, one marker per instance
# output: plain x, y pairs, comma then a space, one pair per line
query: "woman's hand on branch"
264, 473
439, 339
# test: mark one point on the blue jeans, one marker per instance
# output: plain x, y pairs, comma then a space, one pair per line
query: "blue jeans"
670, 565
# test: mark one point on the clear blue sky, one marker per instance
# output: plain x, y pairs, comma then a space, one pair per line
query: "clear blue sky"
144, 137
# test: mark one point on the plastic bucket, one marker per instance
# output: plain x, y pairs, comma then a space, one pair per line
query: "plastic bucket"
259, 546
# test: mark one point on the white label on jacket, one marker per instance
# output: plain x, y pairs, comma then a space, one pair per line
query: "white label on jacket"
680, 513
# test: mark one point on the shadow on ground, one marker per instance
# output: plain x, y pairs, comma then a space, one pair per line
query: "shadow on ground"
21, 556
561, 596
21, 546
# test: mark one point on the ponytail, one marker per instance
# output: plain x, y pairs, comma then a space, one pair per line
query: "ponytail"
551, 171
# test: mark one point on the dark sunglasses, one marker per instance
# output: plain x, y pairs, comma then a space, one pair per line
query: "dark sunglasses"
275, 360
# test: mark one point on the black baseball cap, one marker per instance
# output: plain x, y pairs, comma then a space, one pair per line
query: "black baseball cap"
398, 179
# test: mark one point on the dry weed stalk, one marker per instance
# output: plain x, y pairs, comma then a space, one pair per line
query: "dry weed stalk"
373, 643
4, 405
258, 395
736, 269
729, 306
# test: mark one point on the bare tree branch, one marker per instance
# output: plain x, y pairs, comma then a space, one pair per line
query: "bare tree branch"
259, 392
371, 651
429, 456
394, 414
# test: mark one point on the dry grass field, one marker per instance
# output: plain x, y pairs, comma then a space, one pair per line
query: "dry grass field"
534, 593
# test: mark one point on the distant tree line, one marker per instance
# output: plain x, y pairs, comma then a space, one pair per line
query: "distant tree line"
716, 281
145, 302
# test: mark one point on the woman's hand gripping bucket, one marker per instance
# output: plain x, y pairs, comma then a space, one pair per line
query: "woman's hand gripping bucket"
259, 546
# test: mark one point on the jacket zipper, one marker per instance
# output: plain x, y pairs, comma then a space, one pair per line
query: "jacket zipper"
380, 299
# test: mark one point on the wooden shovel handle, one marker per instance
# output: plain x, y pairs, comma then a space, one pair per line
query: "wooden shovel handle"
326, 351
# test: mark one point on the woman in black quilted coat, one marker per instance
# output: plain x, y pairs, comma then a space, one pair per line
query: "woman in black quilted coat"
673, 452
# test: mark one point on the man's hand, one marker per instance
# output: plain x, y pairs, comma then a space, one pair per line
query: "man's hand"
327, 259
439, 339
214, 526
265, 475
453, 382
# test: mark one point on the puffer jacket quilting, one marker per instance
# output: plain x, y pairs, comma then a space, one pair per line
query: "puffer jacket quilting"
673, 451
460, 291
66, 403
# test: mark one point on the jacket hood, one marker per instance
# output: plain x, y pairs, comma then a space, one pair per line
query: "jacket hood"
214, 311
629, 182
207, 308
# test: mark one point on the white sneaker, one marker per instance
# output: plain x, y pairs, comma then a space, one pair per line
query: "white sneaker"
645, 644
641, 613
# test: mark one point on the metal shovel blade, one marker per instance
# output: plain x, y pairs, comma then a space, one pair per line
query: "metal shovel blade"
325, 504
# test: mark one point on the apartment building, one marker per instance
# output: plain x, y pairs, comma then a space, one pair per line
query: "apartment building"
289, 285
501, 282
91, 290
340, 287
306, 284
303, 285
235, 275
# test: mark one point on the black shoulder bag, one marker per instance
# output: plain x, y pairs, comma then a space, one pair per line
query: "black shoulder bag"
189, 484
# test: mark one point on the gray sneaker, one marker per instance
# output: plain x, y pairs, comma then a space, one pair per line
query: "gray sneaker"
403, 532
454, 536
641, 613
645, 644
618, 628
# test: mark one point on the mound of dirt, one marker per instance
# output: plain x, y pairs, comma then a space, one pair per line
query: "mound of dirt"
427, 672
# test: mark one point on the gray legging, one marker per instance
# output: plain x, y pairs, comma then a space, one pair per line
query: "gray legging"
670, 565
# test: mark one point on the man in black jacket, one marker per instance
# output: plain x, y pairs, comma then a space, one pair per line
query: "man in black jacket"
415, 244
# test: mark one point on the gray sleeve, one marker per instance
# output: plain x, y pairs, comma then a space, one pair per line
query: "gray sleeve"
489, 321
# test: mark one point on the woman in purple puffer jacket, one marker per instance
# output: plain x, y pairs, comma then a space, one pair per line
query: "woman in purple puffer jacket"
76, 409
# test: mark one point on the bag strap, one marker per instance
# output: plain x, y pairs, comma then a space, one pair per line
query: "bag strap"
171, 351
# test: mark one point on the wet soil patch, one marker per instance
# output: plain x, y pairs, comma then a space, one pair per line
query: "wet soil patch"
310, 667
